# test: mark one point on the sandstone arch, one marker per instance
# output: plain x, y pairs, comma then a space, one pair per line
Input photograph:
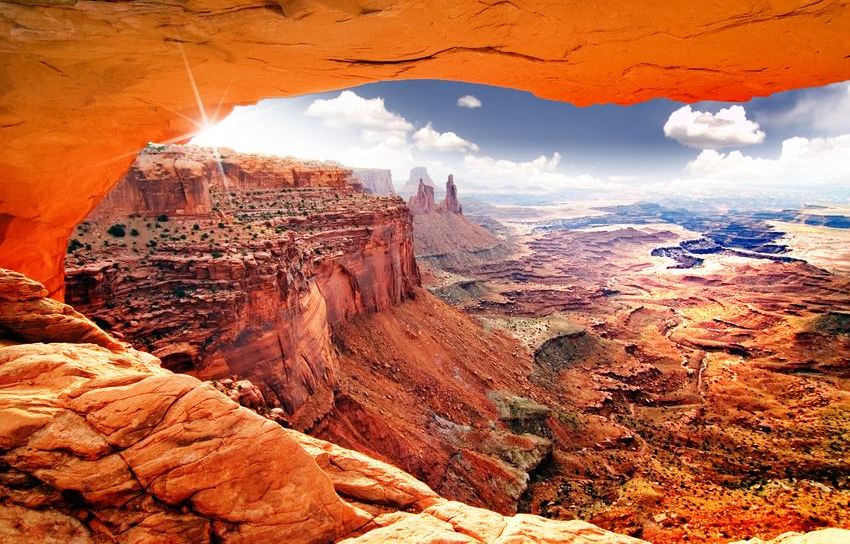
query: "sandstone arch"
86, 83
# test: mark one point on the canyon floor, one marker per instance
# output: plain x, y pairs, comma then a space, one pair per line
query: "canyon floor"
721, 376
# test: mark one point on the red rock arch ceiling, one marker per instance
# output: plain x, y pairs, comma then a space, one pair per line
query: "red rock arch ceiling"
85, 84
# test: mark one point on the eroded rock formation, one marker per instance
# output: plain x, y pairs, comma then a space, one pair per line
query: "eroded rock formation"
263, 288
250, 283
423, 200
444, 237
452, 204
98, 443
417, 174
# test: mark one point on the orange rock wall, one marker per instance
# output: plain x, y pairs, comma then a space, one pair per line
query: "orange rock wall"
85, 85
257, 307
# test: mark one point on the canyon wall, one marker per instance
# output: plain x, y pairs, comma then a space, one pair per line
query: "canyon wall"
98, 443
275, 285
249, 283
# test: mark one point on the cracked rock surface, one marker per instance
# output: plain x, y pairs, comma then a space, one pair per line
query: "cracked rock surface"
99, 444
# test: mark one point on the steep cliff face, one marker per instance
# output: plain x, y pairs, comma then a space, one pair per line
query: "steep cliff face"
269, 286
98, 443
378, 181
252, 287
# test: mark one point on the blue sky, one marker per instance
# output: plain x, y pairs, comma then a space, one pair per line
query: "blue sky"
515, 142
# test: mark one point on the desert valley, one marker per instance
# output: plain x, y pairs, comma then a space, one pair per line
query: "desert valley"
679, 377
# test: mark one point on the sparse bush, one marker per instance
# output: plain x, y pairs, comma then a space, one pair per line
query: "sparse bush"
134, 232
117, 230
74, 245
216, 254
162, 218
196, 227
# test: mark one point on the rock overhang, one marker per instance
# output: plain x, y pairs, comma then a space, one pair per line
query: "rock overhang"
86, 84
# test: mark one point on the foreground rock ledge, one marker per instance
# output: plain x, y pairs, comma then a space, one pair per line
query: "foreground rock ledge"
98, 443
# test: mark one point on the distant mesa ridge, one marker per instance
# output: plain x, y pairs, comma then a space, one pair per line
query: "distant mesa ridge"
377, 181
417, 174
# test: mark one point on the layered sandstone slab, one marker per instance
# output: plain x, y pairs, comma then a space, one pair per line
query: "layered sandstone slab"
87, 84
98, 443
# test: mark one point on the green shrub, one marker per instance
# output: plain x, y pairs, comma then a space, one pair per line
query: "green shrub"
216, 254
74, 245
117, 230
162, 218
134, 232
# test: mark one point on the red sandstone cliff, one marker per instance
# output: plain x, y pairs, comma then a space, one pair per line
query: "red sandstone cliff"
99, 444
249, 284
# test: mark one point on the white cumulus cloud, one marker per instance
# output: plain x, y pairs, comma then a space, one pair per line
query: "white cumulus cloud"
369, 115
468, 101
802, 162
426, 138
729, 127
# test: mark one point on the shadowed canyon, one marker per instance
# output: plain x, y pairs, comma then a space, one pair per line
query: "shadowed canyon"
421, 305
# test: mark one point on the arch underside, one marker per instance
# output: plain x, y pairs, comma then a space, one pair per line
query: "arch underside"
86, 84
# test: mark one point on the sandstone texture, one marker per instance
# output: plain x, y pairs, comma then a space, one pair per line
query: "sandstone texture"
423, 200
88, 84
99, 444
250, 284
262, 296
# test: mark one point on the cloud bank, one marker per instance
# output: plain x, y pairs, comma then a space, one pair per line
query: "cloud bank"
370, 116
426, 138
729, 127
